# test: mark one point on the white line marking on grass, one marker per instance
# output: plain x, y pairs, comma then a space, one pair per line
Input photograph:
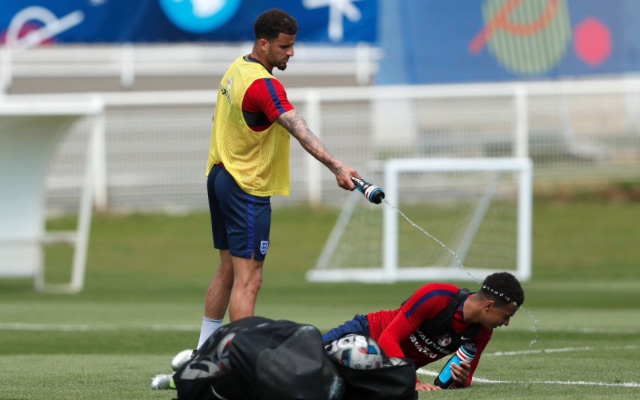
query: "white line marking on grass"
541, 351
583, 383
19, 326
44, 327
594, 330
567, 383
582, 331
14, 326
560, 350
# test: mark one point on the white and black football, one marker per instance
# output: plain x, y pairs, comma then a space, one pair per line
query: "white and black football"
356, 351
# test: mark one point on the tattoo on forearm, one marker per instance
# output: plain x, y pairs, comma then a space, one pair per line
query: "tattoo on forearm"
297, 126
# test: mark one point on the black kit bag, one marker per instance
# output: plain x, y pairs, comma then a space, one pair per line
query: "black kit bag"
262, 359
393, 379
391, 382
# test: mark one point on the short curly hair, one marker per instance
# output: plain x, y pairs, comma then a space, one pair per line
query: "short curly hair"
503, 288
271, 23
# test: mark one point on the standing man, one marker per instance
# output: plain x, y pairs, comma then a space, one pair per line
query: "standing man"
249, 162
436, 320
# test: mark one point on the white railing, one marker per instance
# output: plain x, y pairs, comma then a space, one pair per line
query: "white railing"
128, 62
155, 147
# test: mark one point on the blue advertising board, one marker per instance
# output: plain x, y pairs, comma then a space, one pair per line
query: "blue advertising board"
500, 40
423, 41
138, 21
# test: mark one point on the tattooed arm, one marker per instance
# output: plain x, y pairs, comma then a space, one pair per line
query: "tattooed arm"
297, 126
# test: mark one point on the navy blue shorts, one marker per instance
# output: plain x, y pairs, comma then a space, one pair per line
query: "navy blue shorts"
240, 222
358, 325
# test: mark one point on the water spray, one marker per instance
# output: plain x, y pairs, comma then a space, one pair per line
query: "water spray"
376, 195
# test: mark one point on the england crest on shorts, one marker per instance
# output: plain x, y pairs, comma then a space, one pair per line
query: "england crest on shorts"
264, 246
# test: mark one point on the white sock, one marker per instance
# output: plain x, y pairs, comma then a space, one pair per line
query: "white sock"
209, 326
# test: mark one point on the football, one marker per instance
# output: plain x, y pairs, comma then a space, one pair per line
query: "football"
222, 351
356, 351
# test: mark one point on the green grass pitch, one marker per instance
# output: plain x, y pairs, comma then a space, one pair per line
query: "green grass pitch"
147, 275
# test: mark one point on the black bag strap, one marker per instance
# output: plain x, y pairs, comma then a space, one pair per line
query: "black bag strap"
442, 322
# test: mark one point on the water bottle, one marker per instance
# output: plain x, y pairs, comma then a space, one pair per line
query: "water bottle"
371, 192
466, 353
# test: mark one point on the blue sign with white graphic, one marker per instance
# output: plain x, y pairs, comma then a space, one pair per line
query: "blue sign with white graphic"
26, 23
200, 16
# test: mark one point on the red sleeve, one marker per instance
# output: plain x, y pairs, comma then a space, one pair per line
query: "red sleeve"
267, 96
398, 330
424, 304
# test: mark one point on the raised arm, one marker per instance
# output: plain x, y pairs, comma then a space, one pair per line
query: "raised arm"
297, 126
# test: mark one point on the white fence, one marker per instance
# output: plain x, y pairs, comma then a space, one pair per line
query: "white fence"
129, 64
155, 147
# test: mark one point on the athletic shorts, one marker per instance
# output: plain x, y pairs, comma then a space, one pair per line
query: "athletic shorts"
240, 222
358, 325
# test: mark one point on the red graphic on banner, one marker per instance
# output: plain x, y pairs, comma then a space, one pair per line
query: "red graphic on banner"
592, 41
25, 30
501, 21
